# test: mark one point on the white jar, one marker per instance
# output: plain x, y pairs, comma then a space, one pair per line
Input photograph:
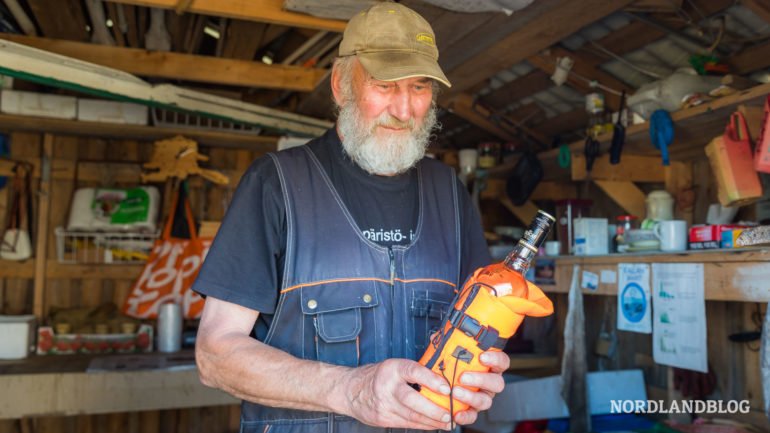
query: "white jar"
660, 206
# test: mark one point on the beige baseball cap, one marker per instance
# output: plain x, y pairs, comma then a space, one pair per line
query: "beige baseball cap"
393, 42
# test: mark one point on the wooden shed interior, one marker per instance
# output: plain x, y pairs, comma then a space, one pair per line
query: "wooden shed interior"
276, 55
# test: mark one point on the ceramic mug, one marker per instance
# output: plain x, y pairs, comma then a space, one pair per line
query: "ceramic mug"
672, 235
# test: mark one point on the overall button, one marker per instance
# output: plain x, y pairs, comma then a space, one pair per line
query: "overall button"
367, 298
312, 304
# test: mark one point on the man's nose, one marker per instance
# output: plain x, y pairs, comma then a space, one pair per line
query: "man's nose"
400, 105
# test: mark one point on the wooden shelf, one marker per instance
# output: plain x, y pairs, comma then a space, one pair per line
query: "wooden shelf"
59, 385
41, 125
730, 275
54, 269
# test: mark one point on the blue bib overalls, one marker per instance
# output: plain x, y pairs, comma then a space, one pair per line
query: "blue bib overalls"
345, 300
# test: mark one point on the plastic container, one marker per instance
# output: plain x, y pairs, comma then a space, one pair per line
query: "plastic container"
38, 104
18, 336
566, 211
96, 110
660, 206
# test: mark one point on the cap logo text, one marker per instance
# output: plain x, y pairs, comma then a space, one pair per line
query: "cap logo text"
426, 39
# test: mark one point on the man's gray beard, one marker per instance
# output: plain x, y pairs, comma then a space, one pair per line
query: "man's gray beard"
390, 155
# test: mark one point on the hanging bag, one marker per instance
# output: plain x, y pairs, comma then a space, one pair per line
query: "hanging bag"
762, 155
732, 162
16, 240
171, 269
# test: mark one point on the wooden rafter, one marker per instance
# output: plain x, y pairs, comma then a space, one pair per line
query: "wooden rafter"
242, 39
521, 87
463, 106
637, 35
564, 122
751, 59
65, 21
586, 66
269, 11
181, 66
540, 33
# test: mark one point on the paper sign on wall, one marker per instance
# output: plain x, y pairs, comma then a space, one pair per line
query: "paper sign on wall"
679, 334
634, 307
590, 281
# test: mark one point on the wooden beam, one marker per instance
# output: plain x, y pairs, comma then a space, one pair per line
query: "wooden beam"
136, 132
41, 232
631, 168
524, 213
679, 183
462, 105
534, 82
537, 35
625, 194
181, 66
268, 11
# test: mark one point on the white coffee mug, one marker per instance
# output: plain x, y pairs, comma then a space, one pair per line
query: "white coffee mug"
552, 248
672, 235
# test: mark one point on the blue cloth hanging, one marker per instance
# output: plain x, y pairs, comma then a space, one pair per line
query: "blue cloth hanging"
5, 152
662, 132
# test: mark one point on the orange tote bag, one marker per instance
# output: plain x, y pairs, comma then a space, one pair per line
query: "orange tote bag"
170, 271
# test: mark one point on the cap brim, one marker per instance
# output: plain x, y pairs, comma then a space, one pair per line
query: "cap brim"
392, 66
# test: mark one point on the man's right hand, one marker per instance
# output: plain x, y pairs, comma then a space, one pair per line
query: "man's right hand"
380, 395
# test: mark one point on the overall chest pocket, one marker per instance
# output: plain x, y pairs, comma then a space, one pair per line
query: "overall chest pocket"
428, 308
336, 311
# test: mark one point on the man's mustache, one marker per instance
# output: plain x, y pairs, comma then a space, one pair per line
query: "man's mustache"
389, 121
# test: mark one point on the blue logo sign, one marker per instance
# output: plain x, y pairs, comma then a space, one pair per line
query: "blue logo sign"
633, 302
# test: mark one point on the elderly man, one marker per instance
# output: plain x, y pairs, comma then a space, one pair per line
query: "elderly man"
337, 259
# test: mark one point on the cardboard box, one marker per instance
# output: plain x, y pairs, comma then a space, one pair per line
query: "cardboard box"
705, 237
38, 104
96, 110
517, 402
591, 237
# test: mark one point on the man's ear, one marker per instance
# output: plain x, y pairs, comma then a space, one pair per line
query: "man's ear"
336, 81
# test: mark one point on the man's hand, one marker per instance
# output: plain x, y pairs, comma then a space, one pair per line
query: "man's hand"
489, 384
380, 395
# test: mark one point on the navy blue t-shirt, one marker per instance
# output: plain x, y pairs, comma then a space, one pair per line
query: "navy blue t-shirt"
245, 262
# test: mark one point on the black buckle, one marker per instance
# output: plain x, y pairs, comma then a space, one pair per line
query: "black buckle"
470, 326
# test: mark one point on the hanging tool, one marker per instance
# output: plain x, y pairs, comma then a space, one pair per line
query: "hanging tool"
662, 133
618, 133
591, 151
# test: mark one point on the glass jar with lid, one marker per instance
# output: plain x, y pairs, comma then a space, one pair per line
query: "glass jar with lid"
624, 224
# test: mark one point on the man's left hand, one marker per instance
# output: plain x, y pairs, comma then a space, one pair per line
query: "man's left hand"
489, 384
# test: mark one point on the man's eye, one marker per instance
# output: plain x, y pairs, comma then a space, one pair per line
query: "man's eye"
384, 86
